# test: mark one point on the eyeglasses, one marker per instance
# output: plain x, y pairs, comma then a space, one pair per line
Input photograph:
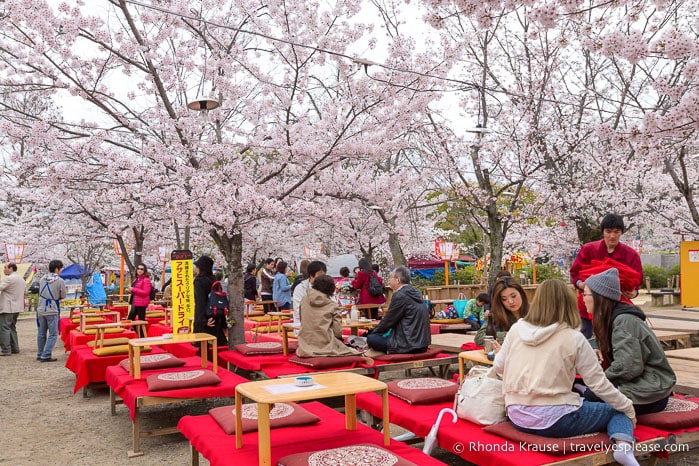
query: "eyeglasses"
140, 268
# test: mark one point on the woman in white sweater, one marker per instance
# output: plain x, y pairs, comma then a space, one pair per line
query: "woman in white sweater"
538, 362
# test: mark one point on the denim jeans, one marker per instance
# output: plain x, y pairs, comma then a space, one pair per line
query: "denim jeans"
649, 408
590, 417
47, 324
377, 342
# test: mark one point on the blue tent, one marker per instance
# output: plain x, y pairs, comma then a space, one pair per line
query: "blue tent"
73, 271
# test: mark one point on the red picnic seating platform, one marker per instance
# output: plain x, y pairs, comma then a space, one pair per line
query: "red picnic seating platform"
278, 365
475, 445
208, 439
135, 394
90, 369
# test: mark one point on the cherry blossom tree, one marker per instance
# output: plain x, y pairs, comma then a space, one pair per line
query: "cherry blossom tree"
288, 112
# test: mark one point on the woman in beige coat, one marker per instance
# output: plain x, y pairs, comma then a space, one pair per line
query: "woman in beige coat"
321, 322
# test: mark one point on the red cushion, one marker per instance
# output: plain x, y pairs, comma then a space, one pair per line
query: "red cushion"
552, 446
680, 413
282, 415
327, 362
429, 354
351, 455
182, 379
155, 361
265, 347
423, 391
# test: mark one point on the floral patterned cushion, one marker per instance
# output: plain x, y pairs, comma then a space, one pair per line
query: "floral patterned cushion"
265, 347
183, 379
423, 391
282, 415
680, 413
351, 455
156, 361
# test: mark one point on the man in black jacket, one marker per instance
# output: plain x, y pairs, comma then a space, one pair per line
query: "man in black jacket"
405, 328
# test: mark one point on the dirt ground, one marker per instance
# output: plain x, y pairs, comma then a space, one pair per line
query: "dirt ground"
43, 423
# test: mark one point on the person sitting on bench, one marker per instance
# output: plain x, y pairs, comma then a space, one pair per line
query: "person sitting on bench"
405, 328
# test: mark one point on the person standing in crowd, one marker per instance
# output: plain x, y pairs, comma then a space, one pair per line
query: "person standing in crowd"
405, 328
250, 283
538, 362
508, 303
361, 283
266, 279
12, 295
301, 276
632, 357
315, 269
140, 295
281, 288
52, 289
203, 281
610, 246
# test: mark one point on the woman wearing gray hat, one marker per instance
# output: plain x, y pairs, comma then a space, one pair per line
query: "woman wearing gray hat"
630, 353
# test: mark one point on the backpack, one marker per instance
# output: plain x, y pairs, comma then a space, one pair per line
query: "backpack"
375, 286
217, 305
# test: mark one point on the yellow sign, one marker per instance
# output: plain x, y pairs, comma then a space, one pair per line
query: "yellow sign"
689, 272
182, 291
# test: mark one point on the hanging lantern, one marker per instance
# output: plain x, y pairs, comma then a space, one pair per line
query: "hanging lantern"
14, 252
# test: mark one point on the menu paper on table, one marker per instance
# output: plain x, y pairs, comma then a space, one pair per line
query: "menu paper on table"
290, 388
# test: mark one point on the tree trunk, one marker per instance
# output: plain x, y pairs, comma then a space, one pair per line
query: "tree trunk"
396, 250
496, 243
232, 249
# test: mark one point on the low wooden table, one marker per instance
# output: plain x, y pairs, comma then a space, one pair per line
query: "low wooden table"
136, 344
286, 328
367, 309
272, 314
687, 372
355, 325
267, 392
450, 342
675, 325
674, 339
267, 302
99, 336
83, 316
690, 354
477, 356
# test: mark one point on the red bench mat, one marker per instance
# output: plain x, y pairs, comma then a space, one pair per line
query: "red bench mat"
466, 439
207, 437
89, 368
130, 389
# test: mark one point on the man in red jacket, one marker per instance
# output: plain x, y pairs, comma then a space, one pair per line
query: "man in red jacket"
610, 246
